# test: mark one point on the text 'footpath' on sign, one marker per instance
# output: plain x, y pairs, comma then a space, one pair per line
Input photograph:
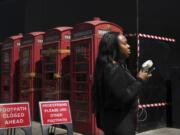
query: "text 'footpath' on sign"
14, 115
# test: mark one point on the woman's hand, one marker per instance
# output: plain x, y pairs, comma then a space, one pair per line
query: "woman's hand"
143, 75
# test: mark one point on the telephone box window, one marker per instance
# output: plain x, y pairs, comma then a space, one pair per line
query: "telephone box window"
81, 86
6, 62
82, 116
49, 76
50, 67
81, 77
81, 67
50, 59
25, 61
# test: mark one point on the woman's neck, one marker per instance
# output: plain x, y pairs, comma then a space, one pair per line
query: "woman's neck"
122, 61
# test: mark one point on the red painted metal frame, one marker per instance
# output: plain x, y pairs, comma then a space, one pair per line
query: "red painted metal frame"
56, 64
9, 76
86, 35
30, 70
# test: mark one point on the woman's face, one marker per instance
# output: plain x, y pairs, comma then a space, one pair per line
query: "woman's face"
124, 46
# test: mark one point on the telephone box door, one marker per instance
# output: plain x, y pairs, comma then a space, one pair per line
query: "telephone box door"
26, 81
81, 87
5, 77
25, 66
50, 78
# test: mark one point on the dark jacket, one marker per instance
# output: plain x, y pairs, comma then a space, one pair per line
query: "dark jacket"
116, 100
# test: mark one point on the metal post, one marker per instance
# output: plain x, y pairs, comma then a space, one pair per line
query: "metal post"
27, 130
69, 129
2, 131
50, 130
45, 130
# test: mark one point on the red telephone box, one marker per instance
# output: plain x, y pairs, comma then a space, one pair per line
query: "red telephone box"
84, 48
30, 70
56, 61
10, 68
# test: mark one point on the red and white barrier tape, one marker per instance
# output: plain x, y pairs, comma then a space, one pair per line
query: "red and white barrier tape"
152, 105
153, 37
157, 37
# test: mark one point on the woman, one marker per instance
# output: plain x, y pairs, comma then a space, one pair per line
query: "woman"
115, 89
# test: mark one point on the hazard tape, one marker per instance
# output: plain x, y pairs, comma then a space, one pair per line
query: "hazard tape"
157, 37
152, 37
152, 105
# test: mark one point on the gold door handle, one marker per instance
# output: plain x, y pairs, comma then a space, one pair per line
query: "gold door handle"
30, 75
64, 51
57, 75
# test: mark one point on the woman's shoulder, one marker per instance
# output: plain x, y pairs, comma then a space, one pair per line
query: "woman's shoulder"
112, 68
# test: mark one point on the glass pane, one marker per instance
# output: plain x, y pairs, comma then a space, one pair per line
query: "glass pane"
25, 61
81, 86
83, 97
6, 67
81, 58
81, 77
26, 53
25, 68
50, 59
81, 67
25, 84
49, 76
82, 116
50, 67
6, 61
6, 57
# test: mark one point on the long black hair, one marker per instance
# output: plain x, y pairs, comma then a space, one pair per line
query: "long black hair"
108, 52
108, 48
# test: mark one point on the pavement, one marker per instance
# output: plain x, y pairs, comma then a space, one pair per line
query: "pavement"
161, 131
36, 130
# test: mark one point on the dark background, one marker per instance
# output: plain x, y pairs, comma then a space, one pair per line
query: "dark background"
159, 17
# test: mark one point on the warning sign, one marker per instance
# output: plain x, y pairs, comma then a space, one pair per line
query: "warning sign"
14, 115
55, 112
